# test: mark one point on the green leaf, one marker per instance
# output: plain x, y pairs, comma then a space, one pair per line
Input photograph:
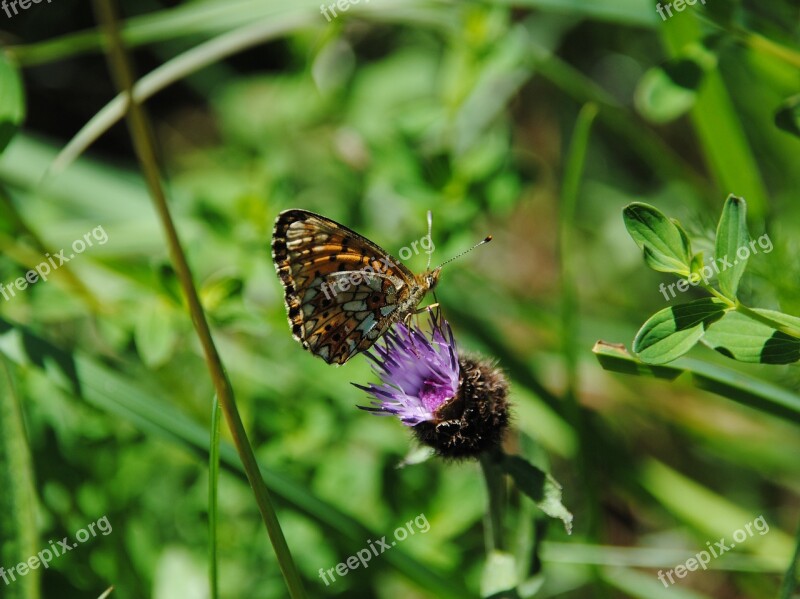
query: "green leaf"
668, 92
731, 236
17, 499
673, 331
787, 116
666, 247
542, 488
746, 340
155, 333
499, 574
697, 262
12, 100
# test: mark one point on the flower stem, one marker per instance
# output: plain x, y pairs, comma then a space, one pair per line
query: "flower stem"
496, 494
144, 146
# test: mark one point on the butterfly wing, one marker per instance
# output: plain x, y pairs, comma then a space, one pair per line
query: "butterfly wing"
334, 315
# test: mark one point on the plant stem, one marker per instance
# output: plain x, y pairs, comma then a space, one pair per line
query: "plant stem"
496, 495
790, 580
144, 145
570, 188
718, 295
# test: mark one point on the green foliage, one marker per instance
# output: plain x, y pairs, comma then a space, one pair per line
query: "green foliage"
12, 100
520, 118
748, 335
731, 235
18, 499
672, 332
665, 245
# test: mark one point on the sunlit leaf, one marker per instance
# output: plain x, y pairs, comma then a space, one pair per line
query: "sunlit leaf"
747, 340
668, 92
666, 247
155, 333
539, 486
732, 236
673, 331
499, 574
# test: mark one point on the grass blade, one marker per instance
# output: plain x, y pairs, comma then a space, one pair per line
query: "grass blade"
790, 579
144, 144
727, 382
18, 498
213, 495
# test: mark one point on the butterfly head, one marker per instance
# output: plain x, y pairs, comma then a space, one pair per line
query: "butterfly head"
431, 278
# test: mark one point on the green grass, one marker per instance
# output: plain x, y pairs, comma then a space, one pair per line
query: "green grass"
535, 121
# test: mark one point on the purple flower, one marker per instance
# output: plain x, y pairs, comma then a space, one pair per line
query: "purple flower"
455, 404
419, 375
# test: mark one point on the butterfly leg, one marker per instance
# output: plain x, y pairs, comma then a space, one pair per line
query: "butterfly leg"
425, 309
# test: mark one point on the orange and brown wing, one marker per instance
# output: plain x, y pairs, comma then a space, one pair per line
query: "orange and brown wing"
335, 318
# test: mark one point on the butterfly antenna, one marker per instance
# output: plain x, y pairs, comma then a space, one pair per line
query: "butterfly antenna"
430, 239
487, 239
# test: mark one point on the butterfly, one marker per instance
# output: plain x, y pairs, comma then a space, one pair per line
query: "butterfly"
342, 291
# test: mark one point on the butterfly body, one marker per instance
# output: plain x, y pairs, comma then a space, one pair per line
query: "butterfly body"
342, 291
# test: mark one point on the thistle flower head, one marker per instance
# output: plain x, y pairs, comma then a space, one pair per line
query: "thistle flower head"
418, 374
457, 405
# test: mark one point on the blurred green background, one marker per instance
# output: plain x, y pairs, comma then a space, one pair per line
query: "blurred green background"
372, 118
